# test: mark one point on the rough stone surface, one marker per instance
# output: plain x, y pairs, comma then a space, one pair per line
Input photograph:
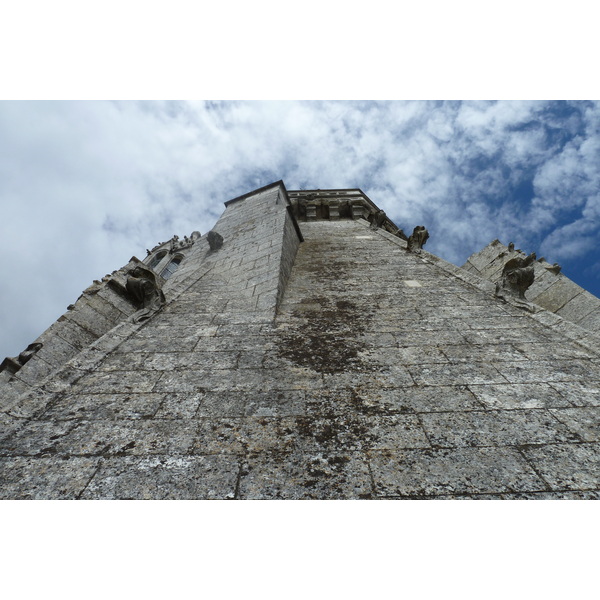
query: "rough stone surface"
550, 288
339, 367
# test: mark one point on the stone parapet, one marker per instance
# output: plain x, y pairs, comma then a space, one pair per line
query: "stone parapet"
334, 204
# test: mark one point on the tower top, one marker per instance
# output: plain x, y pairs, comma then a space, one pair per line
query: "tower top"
340, 203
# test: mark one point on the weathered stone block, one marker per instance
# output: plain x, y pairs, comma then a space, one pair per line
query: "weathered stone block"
422, 473
558, 294
494, 428
107, 406
29, 478
304, 476
518, 396
584, 422
567, 466
165, 478
579, 393
579, 307
591, 322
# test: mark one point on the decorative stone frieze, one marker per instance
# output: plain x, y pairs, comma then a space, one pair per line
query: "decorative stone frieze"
358, 209
417, 240
149, 252
334, 209
177, 244
339, 204
311, 210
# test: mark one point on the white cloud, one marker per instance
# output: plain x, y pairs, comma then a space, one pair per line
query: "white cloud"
571, 240
85, 185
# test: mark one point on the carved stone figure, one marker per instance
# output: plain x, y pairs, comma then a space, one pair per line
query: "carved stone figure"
215, 240
517, 276
174, 243
186, 242
144, 289
378, 219
417, 240
511, 247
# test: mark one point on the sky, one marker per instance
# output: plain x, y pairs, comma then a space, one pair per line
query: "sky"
85, 185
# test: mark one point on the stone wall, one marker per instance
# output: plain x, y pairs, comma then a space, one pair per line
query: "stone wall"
375, 373
551, 289
100, 308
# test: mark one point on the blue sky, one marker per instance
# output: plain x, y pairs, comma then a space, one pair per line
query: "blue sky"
86, 185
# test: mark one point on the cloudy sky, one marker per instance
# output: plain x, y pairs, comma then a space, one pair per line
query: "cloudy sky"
86, 185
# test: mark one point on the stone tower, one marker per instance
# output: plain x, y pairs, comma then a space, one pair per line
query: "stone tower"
304, 348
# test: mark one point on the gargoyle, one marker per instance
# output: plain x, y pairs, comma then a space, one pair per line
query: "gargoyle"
378, 219
144, 289
517, 276
417, 240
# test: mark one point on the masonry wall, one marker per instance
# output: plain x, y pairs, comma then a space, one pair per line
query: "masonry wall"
551, 290
212, 295
99, 309
375, 373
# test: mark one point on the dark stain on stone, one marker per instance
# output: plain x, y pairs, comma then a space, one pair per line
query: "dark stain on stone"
360, 405
330, 340
337, 462
334, 432
322, 300
128, 446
